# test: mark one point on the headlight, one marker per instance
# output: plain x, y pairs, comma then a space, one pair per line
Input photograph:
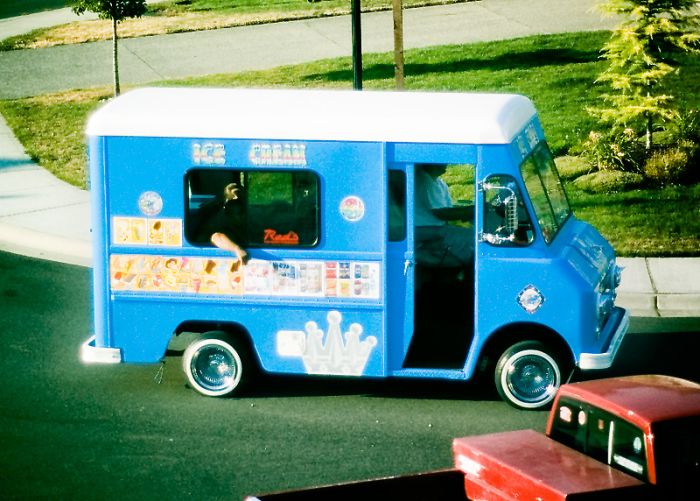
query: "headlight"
605, 307
606, 294
617, 276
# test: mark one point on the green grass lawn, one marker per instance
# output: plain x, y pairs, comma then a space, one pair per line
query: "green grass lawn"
12, 8
555, 71
647, 222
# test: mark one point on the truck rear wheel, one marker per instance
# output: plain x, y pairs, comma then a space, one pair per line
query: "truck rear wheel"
528, 375
215, 366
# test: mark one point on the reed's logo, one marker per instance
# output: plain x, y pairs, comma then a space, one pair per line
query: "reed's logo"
272, 237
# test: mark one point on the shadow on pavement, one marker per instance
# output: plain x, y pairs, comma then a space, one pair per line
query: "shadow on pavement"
654, 346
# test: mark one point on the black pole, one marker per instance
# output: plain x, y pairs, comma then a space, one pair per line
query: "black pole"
356, 46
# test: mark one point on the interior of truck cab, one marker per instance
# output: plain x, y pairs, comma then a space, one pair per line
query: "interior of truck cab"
444, 240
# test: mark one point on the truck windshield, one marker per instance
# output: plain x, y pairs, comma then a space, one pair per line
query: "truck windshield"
546, 191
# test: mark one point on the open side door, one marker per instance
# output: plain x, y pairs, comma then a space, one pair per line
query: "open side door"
400, 264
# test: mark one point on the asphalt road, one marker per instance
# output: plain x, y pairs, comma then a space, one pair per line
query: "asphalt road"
120, 432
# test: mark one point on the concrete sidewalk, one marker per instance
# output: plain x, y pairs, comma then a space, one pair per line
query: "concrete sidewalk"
231, 50
40, 215
13, 26
660, 287
43, 217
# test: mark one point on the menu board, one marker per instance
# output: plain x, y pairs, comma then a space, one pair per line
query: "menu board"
224, 276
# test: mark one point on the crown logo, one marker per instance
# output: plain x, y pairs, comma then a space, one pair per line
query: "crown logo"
328, 354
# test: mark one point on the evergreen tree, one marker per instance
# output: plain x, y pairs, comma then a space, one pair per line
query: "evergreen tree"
640, 54
116, 10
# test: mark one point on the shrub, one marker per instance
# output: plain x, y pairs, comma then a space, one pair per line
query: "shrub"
686, 133
609, 181
687, 126
614, 150
670, 165
571, 167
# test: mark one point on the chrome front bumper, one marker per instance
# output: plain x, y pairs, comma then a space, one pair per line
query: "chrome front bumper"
619, 321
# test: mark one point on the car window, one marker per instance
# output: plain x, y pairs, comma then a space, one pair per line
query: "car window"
601, 435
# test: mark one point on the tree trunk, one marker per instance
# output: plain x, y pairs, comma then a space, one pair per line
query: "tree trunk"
115, 57
398, 44
648, 125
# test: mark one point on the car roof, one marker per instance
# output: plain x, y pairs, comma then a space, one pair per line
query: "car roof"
643, 400
335, 115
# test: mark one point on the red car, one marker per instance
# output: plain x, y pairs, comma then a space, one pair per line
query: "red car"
627, 438
634, 437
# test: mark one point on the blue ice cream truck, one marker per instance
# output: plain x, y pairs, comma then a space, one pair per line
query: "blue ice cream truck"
285, 231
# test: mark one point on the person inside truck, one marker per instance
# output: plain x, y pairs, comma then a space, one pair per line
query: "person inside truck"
443, 274
439, 244
224, 221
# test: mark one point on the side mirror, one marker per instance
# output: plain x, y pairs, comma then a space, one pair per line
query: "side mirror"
501, 206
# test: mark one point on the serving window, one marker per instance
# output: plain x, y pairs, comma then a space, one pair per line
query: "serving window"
261, 208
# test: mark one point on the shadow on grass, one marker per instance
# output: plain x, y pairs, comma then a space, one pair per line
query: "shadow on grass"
652, 199
521, 60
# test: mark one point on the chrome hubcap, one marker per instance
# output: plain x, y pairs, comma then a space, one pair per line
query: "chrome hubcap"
531, 379
214, 368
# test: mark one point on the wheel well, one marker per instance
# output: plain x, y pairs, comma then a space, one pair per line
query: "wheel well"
192, 330
500, 340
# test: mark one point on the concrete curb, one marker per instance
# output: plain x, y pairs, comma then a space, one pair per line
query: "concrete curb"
660, 287
40, 215
40, 245
677, 284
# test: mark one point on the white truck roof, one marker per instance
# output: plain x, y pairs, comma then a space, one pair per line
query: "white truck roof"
332, 115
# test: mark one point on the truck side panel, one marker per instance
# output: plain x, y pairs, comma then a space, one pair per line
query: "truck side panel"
100, 276
298, 304
292, 340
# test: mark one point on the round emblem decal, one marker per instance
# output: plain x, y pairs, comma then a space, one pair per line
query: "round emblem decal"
150, 203
352, 208
530, 299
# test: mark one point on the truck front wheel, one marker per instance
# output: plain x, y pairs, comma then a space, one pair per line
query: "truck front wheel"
528, 375
214, 366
